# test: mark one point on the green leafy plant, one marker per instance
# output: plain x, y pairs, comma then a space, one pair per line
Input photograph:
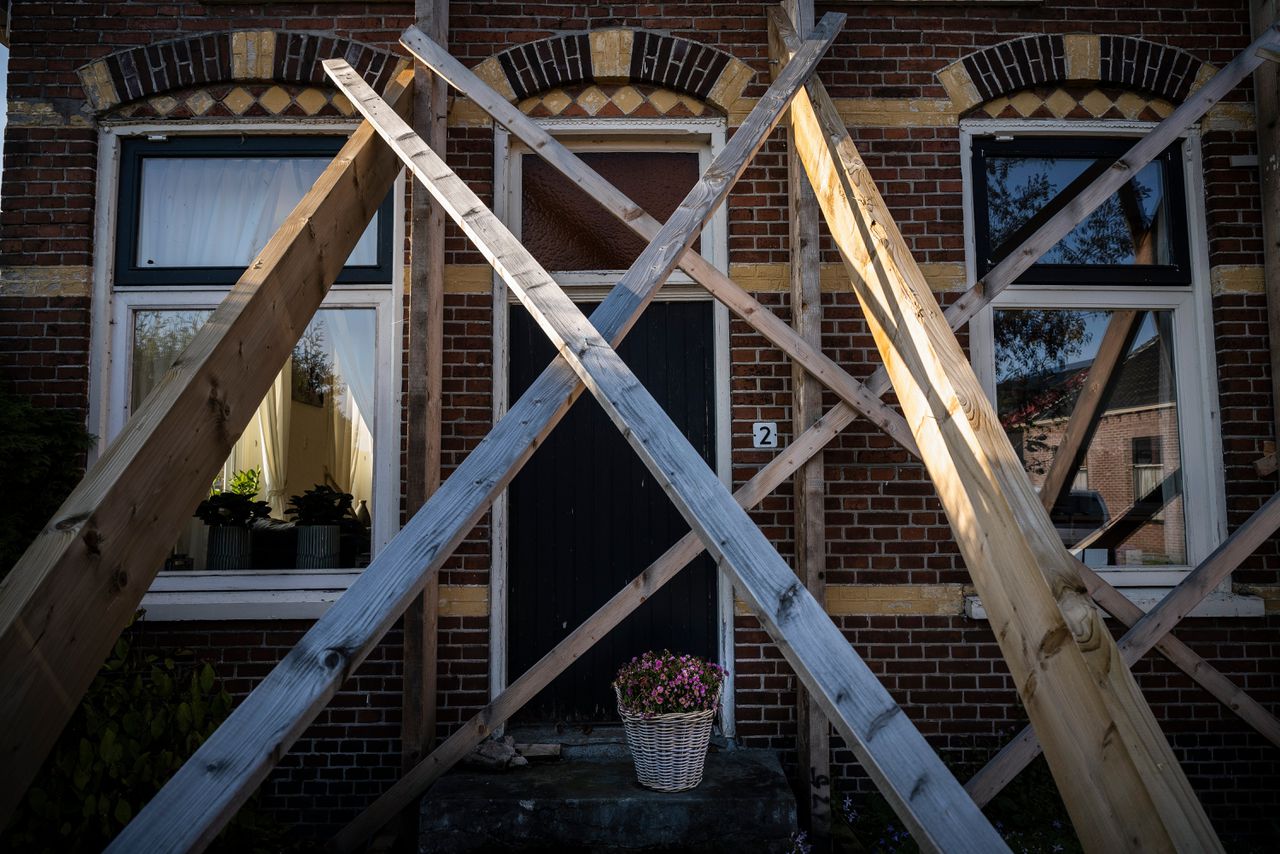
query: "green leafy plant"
246, 482
319, 505
41, 461
231, 509
659, 683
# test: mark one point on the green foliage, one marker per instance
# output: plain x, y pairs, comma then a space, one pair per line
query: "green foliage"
40, 463
231, 509
319, 505
246, 482
142, 717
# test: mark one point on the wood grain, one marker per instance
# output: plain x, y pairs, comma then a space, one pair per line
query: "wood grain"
67, 599
1118, 777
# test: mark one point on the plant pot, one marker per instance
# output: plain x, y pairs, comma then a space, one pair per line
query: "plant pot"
229, 548
670, 750
318, 546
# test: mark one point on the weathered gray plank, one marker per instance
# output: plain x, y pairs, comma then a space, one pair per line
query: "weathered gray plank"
910, 775
1146, 633
606, 617
220, 776
68, 598
1266, 103
1117, 774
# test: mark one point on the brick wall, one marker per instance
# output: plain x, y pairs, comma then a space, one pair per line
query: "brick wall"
885, 525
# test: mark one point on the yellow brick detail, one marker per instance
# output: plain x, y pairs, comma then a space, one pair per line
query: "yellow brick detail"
1026, 103
200, 102
311, 101
955, 79
490, 71
1060, 103
457, 600
942, 277
276, 100
163, 104
873, 600
555, 101
99, 86
896, 112
1203, 76
728, 88
1236, 279
592, 99
627, 99
253, 55
663, 100
611, 55
38, 114
1096, 103
343, 105
45, 281
238, 100
1228, 115
1084, 56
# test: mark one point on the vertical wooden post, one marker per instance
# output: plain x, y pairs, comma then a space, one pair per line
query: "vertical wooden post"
426, 357
1266, 94
813, 733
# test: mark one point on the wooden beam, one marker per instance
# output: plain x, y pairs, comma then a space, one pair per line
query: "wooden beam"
1266, 101
813, 732
751, 311
423, 404
605, 619
910, 775
1100, 381
714, 281
193, 806
1071, 213
1117, 774
1146, 633
67, 599
1116, 531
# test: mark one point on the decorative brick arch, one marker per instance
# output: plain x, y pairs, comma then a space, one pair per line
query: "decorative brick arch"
617, 56
232, 56
1123, 62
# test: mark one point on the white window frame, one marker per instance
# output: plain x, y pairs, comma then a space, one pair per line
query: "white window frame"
706, 137
1195, 365
247, 594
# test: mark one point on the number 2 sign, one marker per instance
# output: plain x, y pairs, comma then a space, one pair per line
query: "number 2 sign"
764, 434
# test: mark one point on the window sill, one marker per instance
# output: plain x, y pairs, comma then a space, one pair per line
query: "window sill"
210, 596
1216, 604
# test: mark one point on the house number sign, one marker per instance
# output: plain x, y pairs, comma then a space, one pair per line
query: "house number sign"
764, 434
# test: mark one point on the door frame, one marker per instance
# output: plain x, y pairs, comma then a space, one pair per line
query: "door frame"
706, 137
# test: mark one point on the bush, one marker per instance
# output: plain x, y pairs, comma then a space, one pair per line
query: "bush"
41, 461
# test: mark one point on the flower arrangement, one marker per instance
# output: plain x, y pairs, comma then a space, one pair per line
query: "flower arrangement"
663, 683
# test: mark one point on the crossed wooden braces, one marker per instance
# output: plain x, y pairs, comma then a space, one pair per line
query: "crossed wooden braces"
1117, 775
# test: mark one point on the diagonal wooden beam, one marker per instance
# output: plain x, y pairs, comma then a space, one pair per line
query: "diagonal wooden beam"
609, 615
765, 322
71, 594
1145, 634
1116, 531
1117, 774
890, 749
193, 806
1101, 380
719, 285
1070, 213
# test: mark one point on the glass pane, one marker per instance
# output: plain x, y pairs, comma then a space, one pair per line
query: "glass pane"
314, 428
221, 211
1131, 227
1121, 500
565, 229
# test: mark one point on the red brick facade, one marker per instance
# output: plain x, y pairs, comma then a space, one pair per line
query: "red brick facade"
884, 524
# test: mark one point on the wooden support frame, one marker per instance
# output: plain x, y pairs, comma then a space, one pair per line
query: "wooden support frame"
75, 589
773, 329
609, 615
1266, 101
1117, 774
423, 403
199, 799
909, 774
1144, 635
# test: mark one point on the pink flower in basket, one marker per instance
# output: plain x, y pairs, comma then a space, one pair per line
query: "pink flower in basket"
662, 683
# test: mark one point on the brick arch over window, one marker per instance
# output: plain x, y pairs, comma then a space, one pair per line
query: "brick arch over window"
233, 56
1034, 61
617, 56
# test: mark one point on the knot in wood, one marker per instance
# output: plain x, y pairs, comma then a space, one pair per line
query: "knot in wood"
332, 658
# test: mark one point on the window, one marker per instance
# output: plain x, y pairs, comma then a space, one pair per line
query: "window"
1099, 358
191, 212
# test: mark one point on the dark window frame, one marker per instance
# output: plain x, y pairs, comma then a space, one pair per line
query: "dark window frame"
129, 208
1079, 147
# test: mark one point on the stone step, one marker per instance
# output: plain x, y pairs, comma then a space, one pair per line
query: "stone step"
744, 803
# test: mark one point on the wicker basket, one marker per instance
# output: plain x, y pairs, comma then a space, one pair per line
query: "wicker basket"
669, 750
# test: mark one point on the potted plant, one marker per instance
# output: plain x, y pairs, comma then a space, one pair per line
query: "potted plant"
228, 515
667, 703
318, 514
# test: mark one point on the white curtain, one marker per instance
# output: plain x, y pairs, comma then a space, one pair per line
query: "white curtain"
221, 211
273, 426
351, 346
